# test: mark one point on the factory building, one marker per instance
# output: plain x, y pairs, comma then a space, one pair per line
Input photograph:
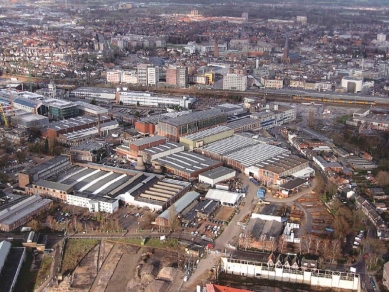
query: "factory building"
86, 108
187, 165
180, 206
148, 125
274, 115
217, 175
22, 210
92, 152
241, 153
136, 147
94, 203
28, 121
174, 128
11, 261
44, 170
233, 81
148, 99
106, 95
153, 153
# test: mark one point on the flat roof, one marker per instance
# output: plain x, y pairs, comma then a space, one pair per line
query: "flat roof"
194, 116
147, 140
48, 164
162, 148
89, 146
94, 197
218, 172
188, 162
53, 185
95, 90
235, 124
229, 145
294, 183
206, 133
268, 228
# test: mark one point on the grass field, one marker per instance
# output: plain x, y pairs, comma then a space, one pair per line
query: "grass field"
75, 250
170, 243
44, 271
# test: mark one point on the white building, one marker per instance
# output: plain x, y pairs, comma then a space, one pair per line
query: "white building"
313, 277
147, 74
235, 82
148, 99
114, 76
301, 19
381, 37
272, 83
224, 197
93, 202
129, 77
352, 84
216, 175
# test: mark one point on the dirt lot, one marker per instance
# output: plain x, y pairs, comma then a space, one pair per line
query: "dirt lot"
224, 213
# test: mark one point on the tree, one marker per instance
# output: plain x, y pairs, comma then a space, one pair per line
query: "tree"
93, 101
319, 184
383, 178
137, 114
50, 221
335, 249
332, 189
306, 241
173, 220
34, 224
21, 156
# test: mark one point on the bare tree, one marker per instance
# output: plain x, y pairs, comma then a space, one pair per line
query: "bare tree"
307, 241
50, 221
318, 244
34, 224
383, 178
319, 187
335, 249
173, 220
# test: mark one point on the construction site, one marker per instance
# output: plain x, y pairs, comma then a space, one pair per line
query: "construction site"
120, 265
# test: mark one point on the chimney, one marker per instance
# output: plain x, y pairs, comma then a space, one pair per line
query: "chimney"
98, 125
140, 164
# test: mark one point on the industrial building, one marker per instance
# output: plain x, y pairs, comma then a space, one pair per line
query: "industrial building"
225, 198
174, 128
20, 211
241, 153
366, 119
147, 125
61, 109
11, 261
106, 95
243, 123
186, 164
150, 100
274, 115
205, 137
153, 153
180, 205
217, 175
29, 120
352, 84
92, 152
44, 170
272, 171
86, 108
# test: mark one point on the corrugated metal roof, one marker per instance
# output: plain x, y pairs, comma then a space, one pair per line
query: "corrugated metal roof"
181, 203
5, 247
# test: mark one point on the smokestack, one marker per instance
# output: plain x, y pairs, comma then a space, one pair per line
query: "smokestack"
216, 48
157, 168
257, 63
140, 164
98, 125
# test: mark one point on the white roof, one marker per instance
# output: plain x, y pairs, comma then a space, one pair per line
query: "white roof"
224, 197
5, 247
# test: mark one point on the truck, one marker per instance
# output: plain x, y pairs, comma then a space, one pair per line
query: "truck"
353, 269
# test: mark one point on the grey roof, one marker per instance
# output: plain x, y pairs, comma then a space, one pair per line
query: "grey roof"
229, 145
217, 172
290, 185
206, 133
148, 140
5, 247
16, 212
88, 146
48, 164
269, 229
53, 185
187, 161
162, 148
94, 90
235, 124
181, 204
195, 116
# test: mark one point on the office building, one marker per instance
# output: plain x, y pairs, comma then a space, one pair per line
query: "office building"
233, 81
177, 76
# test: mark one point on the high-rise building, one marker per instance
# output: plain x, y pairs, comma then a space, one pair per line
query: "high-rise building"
285, 55
235, 82
381, 37
148, 74
177, 76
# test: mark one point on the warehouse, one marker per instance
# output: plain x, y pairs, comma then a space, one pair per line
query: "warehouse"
22, 210
216, 175
138, 145
180, 205
186, 164
90, 109
241, 153
273, 170
174, 128
153, 153
11, 261
205, 137
225, 198
243, 124
28, 120
148, 99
